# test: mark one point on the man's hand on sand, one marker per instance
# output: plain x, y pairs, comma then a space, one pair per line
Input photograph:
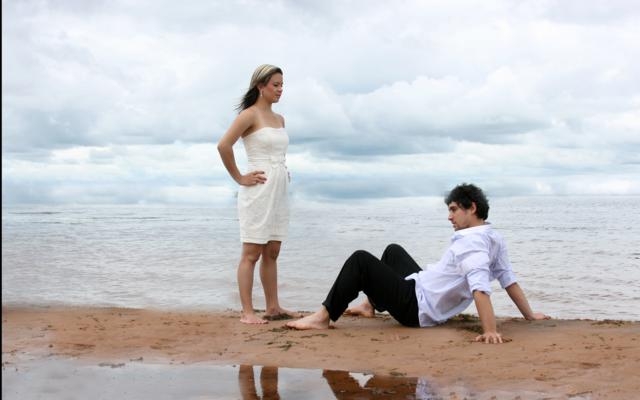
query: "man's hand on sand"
491, 337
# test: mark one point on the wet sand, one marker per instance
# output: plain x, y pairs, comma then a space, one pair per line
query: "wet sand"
562, 358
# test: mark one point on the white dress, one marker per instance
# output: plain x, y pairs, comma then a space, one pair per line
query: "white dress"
263, 209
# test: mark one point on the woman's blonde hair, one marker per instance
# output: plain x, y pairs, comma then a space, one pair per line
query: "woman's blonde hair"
261, 75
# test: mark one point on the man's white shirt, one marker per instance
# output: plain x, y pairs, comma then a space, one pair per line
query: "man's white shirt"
475, 257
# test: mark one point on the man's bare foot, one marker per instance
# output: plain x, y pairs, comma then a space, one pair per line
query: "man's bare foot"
317, 320
252, 319
364, 309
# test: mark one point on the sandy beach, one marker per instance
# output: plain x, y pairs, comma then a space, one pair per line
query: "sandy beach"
565, 358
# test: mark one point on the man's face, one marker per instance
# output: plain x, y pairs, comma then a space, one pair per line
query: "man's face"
461, 218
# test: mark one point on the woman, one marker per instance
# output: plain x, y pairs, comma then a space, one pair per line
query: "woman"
263, 208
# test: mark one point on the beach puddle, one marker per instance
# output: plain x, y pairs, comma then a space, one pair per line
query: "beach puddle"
68, 379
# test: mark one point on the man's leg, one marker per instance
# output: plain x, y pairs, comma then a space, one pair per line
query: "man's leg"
402, 264
364, 272
384, 286
397, 258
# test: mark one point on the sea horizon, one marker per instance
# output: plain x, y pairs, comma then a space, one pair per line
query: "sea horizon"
574, 256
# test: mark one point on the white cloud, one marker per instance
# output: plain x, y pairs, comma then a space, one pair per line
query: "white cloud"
124, 101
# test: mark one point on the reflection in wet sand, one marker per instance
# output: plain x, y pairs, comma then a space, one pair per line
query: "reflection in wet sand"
69, 379
343, 384
268, 383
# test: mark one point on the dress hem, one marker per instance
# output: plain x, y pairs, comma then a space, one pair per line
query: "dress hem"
263, 241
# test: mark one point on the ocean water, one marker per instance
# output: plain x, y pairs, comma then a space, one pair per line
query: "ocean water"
575, 257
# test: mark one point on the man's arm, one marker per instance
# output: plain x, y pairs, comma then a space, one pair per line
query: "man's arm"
520, 300
487, 318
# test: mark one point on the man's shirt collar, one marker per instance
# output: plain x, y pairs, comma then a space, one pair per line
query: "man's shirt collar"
469, 231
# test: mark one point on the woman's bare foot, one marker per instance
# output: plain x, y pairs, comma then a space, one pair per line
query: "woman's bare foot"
364, 309
317, 320
252, 319
280, 314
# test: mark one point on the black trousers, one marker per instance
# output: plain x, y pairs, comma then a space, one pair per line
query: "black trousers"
382, 280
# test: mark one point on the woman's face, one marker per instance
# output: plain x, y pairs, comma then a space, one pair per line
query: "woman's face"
273, 89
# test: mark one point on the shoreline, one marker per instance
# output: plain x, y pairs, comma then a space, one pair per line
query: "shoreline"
594, 358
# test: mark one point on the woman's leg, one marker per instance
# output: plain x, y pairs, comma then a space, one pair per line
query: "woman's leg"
269, 278
247, 382
268, 383
250, 255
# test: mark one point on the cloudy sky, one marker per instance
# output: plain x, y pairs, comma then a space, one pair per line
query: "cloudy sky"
124, 101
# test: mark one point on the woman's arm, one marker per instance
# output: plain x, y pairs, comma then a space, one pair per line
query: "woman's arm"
225, 147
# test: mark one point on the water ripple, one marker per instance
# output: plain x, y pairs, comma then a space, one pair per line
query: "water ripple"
568, 259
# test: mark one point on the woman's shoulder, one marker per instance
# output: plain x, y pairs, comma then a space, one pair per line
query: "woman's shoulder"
248, 113
247, 117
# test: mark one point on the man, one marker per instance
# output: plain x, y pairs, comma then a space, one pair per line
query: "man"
415, 297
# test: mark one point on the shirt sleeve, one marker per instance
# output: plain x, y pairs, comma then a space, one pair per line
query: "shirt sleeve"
503, 271
476, 266
472, 257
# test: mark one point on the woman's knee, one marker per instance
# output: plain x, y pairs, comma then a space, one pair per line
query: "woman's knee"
251, 253
271, 250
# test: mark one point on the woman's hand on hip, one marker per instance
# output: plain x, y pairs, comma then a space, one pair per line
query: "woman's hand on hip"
253, 178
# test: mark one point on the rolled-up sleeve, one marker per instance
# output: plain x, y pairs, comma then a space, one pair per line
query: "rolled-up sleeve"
502, 270
480, 256
475, 265
506, 279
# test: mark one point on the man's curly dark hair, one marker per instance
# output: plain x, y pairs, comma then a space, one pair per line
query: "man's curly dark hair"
467, 193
